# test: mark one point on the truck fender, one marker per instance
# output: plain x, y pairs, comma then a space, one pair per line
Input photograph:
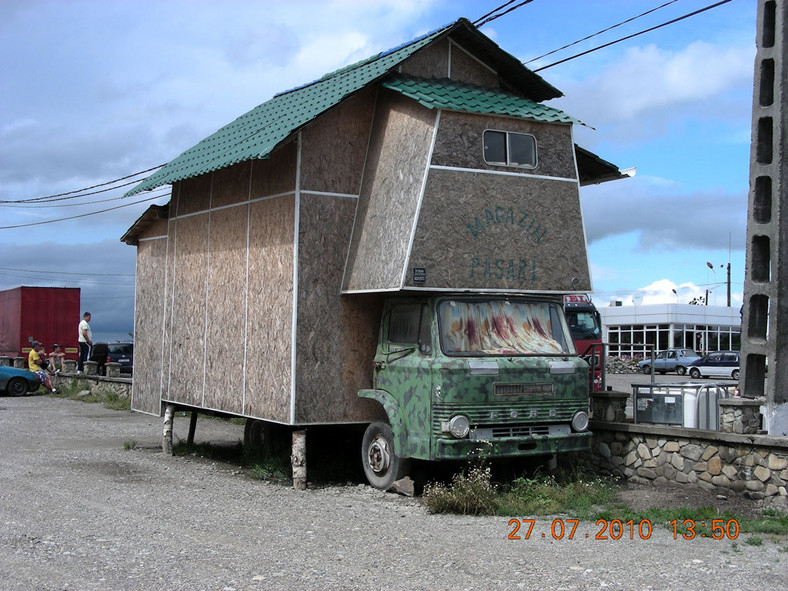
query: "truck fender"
391, 406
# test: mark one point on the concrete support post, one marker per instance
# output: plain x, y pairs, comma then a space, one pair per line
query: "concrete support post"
765, 314
298, 460
166, 433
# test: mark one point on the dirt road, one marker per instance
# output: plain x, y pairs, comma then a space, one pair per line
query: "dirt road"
80, 512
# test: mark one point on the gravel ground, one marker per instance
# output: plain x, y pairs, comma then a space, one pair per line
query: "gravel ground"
79, 512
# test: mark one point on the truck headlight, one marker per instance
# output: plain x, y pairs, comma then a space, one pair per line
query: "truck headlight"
459, 426
580, 421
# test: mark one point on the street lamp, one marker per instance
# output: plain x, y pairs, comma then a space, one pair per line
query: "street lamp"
728, 281
676, 294
710, 266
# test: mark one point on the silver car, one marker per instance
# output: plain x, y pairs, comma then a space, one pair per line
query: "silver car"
720, 364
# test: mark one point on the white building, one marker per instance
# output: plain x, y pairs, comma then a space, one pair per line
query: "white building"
629, 329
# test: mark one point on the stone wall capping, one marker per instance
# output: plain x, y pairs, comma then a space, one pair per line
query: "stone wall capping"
674, 433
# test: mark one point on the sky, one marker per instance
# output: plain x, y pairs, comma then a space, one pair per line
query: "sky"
97, 90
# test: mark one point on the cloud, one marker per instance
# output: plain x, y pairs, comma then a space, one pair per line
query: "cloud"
664, 216
104, 271
638, 95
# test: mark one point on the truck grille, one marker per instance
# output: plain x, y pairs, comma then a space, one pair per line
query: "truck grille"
509, 418
538, 389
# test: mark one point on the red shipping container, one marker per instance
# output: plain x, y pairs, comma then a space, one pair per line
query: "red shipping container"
46, 314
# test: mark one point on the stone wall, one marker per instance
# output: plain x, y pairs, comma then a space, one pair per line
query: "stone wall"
755, 466
95, 384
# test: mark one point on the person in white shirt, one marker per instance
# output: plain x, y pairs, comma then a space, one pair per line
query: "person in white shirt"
85, 341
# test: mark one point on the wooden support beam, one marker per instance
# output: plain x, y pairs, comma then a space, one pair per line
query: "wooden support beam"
166, 434
298, 460
192, 428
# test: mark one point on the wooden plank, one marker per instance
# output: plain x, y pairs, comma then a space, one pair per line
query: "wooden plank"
226, 301
187, 352
149, 311
270, 301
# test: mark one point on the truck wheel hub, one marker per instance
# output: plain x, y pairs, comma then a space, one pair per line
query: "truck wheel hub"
379, 455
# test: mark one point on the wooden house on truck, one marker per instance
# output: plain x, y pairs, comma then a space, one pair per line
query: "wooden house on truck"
387, 247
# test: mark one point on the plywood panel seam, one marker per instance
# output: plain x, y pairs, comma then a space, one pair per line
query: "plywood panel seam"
294, 325
207, 293
239, 204
504, 173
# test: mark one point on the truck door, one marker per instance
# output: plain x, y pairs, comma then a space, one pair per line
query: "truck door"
403, 367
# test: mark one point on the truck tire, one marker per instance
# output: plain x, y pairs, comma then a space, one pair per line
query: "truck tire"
382, 466
17, 387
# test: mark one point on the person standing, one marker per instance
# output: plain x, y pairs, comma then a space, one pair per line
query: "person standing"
35, 364
85, 341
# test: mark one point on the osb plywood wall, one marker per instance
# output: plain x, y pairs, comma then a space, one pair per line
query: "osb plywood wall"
187, 329
393, 177
485, 231
336, 336
459, 144
226, 330
270, 314
430, 62
149, 298
335, 145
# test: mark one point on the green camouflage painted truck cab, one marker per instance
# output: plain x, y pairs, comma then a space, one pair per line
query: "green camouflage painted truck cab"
460, 375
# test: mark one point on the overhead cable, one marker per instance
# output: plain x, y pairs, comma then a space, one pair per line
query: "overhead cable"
479, 24
670, 22
73, 217
629, 20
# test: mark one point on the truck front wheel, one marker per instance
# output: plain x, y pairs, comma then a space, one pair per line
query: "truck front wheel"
382, 466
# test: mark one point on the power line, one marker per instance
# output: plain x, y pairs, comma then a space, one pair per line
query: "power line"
41, 271
82, 204
480, 23
629, 20
670, 22
73, 217
88, 188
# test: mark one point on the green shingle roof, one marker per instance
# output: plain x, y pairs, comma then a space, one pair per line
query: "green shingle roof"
457, 96
256, 133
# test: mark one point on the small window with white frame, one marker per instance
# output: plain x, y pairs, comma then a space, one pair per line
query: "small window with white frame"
505, 148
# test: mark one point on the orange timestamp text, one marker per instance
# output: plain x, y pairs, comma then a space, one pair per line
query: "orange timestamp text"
618, 529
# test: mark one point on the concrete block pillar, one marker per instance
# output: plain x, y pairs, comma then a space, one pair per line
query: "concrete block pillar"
766, 277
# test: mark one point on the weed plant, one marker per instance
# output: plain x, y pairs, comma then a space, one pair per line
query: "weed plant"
471, 492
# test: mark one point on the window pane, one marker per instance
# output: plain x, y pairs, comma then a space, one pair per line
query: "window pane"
522, 150
495, 147
404, 324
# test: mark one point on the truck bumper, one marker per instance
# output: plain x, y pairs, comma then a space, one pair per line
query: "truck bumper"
511, 447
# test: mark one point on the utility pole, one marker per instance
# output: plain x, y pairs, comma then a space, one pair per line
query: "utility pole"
765, 321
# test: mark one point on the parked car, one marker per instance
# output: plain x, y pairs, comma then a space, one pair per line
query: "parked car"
721, 364
17, 382
670, 360
123, 353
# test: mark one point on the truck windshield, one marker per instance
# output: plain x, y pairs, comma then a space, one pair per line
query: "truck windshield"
583, 325
502, 327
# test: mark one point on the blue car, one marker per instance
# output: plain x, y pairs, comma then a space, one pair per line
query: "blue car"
17, 382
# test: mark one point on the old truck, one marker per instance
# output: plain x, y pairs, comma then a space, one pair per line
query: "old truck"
384, 248
46, 314
585, 326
